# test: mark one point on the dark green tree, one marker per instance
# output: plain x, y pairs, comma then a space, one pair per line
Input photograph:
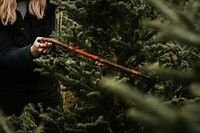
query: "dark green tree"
111, 29
134, 34
181, 113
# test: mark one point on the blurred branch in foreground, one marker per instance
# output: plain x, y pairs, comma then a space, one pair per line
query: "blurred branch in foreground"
155, 113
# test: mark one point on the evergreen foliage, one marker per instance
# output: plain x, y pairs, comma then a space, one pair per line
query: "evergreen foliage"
157, 40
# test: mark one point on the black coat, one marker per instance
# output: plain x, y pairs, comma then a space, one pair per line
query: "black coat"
18, 83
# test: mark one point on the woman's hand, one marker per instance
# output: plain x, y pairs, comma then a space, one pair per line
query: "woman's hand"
38, 48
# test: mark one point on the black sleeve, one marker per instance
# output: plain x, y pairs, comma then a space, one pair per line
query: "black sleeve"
11, 56
48, 1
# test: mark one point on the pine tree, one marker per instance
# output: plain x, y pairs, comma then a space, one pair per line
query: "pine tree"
180, 114
109, 29
134, 34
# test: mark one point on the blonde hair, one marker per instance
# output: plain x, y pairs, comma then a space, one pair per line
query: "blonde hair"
8, 10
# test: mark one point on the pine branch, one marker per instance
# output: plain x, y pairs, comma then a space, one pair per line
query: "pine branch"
153, 112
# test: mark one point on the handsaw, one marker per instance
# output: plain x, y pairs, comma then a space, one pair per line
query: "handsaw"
92, 56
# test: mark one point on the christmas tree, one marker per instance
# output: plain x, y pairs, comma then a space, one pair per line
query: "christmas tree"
157, 38
180, 114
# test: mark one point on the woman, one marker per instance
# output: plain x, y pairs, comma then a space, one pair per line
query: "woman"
22, 24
